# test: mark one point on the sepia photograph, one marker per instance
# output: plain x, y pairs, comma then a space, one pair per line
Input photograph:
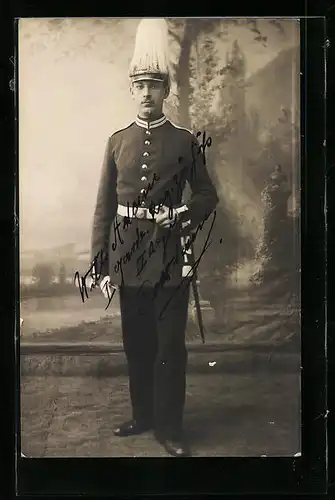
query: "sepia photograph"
159, 237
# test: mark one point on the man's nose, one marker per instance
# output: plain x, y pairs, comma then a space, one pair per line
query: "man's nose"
147, 91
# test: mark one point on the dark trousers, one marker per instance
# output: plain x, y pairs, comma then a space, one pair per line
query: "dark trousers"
154, 327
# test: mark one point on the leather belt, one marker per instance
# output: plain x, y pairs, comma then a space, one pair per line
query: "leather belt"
142, 212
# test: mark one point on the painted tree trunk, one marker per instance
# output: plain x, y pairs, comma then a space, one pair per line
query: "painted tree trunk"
183, 73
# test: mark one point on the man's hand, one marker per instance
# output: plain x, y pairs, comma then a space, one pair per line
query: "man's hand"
106, 287
167, 217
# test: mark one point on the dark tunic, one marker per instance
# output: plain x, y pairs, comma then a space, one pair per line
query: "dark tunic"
146, 165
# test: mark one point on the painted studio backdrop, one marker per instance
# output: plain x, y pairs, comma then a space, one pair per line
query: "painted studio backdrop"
237, 81
234, 80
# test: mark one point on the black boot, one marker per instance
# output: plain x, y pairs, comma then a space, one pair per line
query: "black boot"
132, 428
174, 445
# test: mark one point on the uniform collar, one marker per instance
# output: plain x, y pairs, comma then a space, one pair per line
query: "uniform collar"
153, 124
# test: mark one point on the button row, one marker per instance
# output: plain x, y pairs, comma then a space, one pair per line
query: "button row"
144, 166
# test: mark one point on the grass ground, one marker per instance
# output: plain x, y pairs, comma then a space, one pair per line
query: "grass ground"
249, 412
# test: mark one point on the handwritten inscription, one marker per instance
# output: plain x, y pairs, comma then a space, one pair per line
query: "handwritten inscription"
125, 259
120, 226
206, 142
127, 220
154, 245
95, 270
165, 273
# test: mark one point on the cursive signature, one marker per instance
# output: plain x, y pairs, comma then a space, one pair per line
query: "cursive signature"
127, 220
179, 180
154, 245
165, 276
127, 257
95, 270
206, 142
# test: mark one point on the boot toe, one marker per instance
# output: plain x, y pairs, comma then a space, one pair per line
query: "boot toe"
174, 447
131, 428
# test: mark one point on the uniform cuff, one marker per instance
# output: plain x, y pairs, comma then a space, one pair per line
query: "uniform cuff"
184, 216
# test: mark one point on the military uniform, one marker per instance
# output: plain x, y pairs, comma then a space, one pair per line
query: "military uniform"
146, 166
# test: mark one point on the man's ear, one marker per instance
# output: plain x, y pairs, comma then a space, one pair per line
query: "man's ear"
131, 90
166, 91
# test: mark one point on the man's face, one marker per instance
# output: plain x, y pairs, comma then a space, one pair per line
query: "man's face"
149, 96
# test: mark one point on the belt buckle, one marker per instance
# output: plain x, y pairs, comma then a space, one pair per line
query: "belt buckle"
141, 213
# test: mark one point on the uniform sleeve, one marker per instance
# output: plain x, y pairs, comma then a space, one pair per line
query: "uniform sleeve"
203, 198
105, 210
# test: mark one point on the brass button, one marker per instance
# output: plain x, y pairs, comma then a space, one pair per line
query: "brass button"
143, 179
145, 153
148, 132
144, 166
143, 204
147, 143
142, 191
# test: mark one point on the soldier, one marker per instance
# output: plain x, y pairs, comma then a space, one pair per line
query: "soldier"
139, 225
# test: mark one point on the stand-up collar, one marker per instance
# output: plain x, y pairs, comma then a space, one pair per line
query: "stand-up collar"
153, 124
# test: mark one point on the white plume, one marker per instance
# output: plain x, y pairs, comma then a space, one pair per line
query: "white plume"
151, 47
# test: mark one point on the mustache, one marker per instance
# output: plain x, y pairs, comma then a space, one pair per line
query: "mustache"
147, 102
